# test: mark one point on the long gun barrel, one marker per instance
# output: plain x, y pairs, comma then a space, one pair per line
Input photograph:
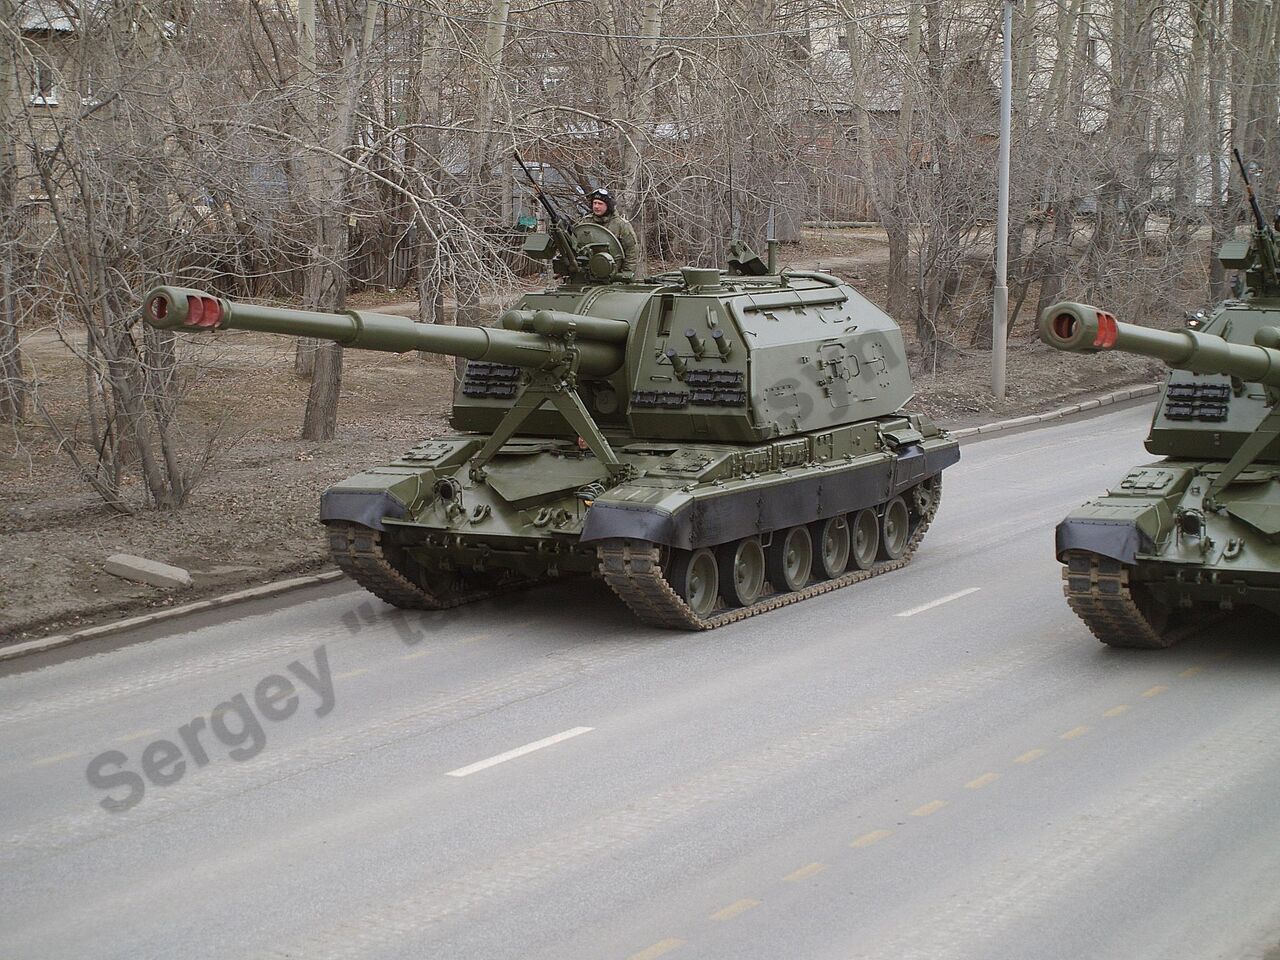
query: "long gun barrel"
173, 308
1080, 328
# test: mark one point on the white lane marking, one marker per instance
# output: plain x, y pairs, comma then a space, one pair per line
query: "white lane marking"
517, 752
937, 603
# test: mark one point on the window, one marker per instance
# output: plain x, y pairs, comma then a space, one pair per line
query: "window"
45, 87
554, 75
88, 90
398, 87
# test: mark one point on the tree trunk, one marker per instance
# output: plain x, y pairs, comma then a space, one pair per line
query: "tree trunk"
304, 355
13, 386
1221, 205
494, 43
899, 292
327, 271
1064, 177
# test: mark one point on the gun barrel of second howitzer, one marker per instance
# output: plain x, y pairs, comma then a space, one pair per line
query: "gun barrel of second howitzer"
1081, 328
174, 308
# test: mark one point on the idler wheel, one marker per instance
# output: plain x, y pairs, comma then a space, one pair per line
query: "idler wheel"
831, 541
695, 575
895, 529
866, 539
789, 559
742, 572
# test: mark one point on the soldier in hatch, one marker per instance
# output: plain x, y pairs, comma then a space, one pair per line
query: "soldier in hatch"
603, 214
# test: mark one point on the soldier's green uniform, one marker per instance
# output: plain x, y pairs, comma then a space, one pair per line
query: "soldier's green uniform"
619, 226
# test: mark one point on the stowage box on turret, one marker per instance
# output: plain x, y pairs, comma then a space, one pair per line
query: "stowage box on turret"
1198, 529
712, 445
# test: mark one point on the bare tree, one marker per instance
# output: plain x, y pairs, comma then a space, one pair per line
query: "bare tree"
13, 386
327, 180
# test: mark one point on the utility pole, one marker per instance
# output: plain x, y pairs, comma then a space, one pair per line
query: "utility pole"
1000, 311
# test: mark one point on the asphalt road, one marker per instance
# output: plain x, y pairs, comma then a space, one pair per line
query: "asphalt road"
937, 763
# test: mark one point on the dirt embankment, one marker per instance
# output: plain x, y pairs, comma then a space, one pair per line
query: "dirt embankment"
252, 517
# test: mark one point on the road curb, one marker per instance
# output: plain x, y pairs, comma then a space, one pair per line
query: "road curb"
1117, 396
147, 619
284, 586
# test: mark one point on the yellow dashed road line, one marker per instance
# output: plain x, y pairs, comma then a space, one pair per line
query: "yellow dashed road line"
415, 656
136, 735
867, 839
739, 907
734, 909
659, 949
805, 872
929, 809
57, 758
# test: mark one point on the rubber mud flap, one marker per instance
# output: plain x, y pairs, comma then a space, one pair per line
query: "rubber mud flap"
366, 509
609, 521
1118, 539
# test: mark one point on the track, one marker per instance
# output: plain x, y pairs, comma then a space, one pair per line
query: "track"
1098, 590
361, 554
634, 571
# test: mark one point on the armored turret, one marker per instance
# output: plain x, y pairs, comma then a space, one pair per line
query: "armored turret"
711, 445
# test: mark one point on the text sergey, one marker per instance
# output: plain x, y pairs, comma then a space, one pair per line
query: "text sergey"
164, 762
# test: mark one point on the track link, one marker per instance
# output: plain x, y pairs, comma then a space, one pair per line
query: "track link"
634, 570
1097, 588
361, 553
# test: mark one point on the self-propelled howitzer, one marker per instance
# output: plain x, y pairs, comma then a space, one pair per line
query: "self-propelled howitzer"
712, 446
1200, 528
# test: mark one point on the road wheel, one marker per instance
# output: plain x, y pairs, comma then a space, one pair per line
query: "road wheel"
741, 571
831, 547
789, 559
895, 529
866, 539
695, 576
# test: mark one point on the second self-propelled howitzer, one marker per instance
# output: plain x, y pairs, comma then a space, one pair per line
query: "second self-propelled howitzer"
1200, 528
711, 445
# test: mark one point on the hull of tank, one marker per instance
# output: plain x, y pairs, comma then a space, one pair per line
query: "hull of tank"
1178, 557
540, 507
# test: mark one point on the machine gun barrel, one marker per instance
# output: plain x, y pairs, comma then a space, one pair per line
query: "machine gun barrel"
1080, 328
1266, 236
171, 308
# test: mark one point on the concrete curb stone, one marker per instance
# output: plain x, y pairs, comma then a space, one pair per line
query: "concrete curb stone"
147, 619
143, 570
284, 586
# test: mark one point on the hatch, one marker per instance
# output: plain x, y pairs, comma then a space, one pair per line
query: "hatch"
1263, 517
520, 479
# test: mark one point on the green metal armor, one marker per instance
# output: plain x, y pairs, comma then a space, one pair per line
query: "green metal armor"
1199, 529
621, 228
710, 445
